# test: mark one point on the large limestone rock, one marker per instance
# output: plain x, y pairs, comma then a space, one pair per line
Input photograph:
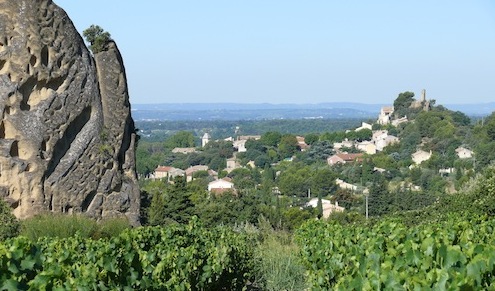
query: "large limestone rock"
67, 138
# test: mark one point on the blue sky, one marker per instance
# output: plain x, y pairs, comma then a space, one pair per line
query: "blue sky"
287, 51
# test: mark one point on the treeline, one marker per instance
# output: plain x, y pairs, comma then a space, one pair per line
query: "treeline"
220, 129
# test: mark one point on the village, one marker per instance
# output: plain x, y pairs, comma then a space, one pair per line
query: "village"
344, 152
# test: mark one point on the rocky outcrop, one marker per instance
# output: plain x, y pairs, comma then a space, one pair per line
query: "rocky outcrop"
67, 138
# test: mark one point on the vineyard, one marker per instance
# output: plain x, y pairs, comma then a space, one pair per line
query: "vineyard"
457, 254
188, 257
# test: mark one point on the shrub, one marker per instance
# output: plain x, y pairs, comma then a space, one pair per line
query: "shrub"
111, 227
64, 226
278, 264
9, 225
58, 225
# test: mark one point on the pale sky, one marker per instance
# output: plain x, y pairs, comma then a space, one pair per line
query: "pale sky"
288, 51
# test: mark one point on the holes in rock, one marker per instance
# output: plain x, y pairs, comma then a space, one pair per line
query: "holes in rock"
43, 150
6, 110
14, 149
87, 201
55, 83
63, 144
2, 130
44, 56
26, 89
29, 168
2, 64
32, 61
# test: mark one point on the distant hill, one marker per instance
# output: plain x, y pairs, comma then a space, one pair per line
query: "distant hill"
263, 111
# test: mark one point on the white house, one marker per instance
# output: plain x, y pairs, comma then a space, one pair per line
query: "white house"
464, 153
388, 140
219, 186
420, 156
385, 115
379, 134
344, 185
240, 145
364, 125
232, 164
191, 170
327, 205
367, 147
344, 144
166, 172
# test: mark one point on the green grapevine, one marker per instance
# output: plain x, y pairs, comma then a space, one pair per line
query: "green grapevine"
452, 255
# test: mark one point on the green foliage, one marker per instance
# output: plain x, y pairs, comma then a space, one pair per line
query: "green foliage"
53, 225
58, 225
111, 227
288, 146
182, 139
402, 103
311, 138
279, 267
97, 37
9, 225
188, 257
319, 151
451, 255
271, 138
171, 203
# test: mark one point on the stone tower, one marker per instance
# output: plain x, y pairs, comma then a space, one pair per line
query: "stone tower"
205, 139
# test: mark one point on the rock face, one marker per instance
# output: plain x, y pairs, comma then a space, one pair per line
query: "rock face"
67, 138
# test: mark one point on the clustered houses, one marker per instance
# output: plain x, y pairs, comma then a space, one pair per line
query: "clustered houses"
380, 139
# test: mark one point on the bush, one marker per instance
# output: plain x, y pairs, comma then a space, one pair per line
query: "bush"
64, 226
111, 227
9, 225
58, 225
278, 264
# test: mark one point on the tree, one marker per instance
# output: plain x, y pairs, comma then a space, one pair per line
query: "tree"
322, 182
311, 138
171, 203
271, 138
402, 103
319, 207
288, 145
380, 201
182, 139
98, 38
